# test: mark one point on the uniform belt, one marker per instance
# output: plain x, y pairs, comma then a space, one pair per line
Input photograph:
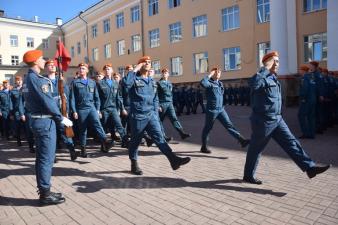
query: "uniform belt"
41, 116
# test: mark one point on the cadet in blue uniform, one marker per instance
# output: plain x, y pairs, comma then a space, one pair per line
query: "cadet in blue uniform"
144, 115
110, 99
126, 101
164, 90
267, 122
5, 108
307, 95
18, 111
37, 91
199, 100
215, 109
85, 105
51, 70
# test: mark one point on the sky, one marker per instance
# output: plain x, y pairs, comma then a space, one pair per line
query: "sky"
46, 10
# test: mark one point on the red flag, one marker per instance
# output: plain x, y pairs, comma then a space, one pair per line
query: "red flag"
62, 56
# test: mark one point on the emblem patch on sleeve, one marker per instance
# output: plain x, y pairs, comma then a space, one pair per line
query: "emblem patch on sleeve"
45, 88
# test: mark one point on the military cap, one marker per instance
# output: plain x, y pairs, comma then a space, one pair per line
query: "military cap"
314, 63
32, 56
5, 82
107, 65
128, 67
144, 59
83, 64
50, 61
18, 78
215, 68
269, 55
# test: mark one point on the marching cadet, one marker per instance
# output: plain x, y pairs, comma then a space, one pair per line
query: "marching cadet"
37, 92
242, 93
164, 90
307, 95
5, 108
236, 94
110, 99
126, 101
18, 110
267, 122
60, 129
182, 99
230, 94
215, 109
144, 115
1, 126
85, 105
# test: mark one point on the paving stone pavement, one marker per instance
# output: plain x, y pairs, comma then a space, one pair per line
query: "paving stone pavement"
209, 190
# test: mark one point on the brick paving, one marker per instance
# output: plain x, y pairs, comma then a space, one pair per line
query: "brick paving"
100, 189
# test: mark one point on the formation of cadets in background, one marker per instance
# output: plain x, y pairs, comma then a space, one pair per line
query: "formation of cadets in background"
318, 109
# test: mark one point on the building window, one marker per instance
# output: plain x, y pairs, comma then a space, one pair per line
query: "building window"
10, 78
174, 3
263, 48
107, 51
135, 14
156, 65
154, 38
95, 54
175, 32
230, 18
106, 26
45, 44
121, 46
314, 5
200, 26
232, 58
315, 47
79, 48
201, 62
176, 64
0, 59
84, 39
14, 40
136, 43
153, 7
120, 20
15, 60
263, 11
94, 31
72, 51
30, 42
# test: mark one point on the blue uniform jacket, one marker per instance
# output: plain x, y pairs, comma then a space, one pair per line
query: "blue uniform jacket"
37, 91
84, 95
164, 90
109, 95
5, 103
266, 97
16, 97
142, 94
307, 91
214, 94
125, 93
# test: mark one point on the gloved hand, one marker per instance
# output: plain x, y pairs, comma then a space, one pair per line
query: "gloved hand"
67, 122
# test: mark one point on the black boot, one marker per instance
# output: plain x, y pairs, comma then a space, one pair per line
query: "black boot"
106, 145
83, 152
50, 198
176, 161
168, 139
204, 149
243, 142
73, 153
125, 142
313, 171
149, 141
18, 142
135, 169
183, 134
252, 180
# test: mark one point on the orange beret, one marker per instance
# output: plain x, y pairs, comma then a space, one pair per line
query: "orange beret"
324, 70
269, 56
129, 67
215, 68
164, 70
83, 64
107, 65
18, 78
304, 67
314, 63
50, 61
32, 56
144, 59
5, 82
117, 74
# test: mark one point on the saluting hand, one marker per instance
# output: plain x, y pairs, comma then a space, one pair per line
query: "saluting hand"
124, 112
211, 73
138, 67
